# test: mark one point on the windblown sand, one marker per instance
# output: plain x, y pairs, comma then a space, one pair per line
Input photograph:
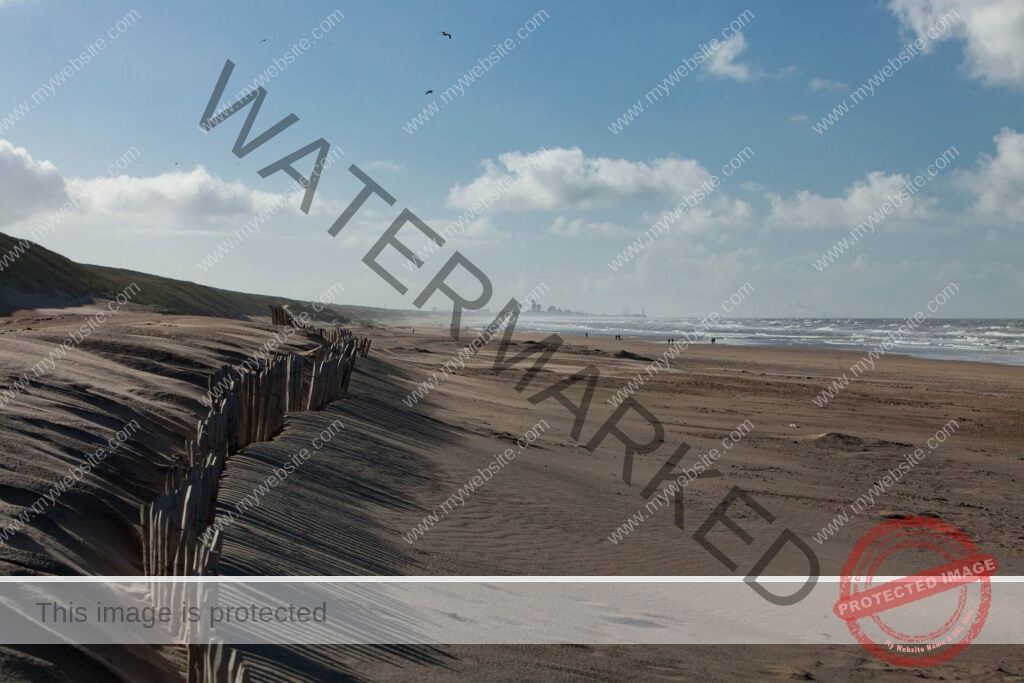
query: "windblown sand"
135, 366
549, 512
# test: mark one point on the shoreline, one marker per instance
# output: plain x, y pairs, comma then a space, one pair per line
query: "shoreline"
987, 340
602, 340
937, 355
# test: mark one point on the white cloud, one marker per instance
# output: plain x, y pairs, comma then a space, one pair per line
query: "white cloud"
715, 216
27, 186
483, 230
998, 182
723, 62
567, 179
807, 211
799, 118
178, 199
991, 31
563, 227
828, 85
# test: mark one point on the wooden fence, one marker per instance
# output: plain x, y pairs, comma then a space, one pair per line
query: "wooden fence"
250, 411
280, 315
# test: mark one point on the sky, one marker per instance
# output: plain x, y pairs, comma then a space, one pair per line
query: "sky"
574, 90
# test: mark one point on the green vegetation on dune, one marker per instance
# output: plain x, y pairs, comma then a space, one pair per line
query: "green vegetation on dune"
40, 275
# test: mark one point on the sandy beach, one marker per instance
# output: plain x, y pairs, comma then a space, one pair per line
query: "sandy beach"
551, 510
351, 508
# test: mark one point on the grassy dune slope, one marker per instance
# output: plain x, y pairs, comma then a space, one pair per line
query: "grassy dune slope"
42, 278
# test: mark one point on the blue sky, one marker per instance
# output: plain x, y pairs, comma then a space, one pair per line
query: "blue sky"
797, 194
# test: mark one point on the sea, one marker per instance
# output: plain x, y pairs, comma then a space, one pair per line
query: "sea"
989, 340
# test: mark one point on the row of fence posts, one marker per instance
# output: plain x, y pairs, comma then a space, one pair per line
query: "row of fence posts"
280, 315
250, 411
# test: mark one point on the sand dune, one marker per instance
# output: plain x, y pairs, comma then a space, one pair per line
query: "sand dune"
136, 366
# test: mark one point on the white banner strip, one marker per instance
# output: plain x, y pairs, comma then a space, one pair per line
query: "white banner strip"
498, 610
441, 579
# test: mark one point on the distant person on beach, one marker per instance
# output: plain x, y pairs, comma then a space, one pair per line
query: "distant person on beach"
712, 340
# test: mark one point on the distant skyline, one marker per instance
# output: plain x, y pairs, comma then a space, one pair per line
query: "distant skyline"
794, 126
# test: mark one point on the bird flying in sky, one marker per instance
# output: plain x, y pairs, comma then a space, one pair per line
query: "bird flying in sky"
265, 40
428, 92
447, 35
